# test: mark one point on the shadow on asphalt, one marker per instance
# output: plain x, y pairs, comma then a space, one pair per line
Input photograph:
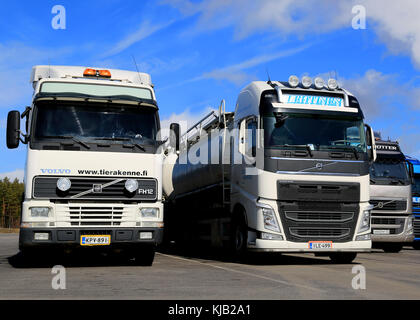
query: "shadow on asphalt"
87, 258
255, 259
69, 260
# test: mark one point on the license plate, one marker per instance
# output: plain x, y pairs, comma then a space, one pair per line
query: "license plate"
381, 231
96, 240
320, 245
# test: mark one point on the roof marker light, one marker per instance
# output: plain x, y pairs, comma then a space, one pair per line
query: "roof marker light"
319, 83
293, 81
332, 84
89, 72
306, 82
105, 73
96, 73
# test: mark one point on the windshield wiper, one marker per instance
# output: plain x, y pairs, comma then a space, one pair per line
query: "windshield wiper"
306, 146
134, 144
75, 139
356, 155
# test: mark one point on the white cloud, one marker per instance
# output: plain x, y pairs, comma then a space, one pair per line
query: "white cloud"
145, 30
395, 22
235, 74
18, 173
377, 91
186, 119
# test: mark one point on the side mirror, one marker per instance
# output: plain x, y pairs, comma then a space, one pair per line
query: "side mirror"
13, 129
174, 136
370, 138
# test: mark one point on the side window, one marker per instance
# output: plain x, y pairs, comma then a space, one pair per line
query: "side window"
251, 138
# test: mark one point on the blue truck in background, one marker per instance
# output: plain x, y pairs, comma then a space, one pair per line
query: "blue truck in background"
416, 201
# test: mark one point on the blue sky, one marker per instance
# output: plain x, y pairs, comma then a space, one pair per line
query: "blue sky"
199, 52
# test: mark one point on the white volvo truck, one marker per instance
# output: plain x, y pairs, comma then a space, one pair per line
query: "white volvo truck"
93, 169
294, 178
391, 176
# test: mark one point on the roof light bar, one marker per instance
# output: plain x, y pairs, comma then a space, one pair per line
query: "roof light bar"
293, 81
319, 83
306, 82
332, 84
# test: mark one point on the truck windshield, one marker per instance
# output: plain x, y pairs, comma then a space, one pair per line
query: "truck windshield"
390, 171
94, 121
319, 132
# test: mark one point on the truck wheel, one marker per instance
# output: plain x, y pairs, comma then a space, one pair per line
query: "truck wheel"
416, 245
343, 257
145, 256
392, 247
239, 239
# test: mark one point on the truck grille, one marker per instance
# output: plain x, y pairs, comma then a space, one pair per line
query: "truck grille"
389, 205
94, 188
95, 215
417, 226
325, 216
329, 221
100, 216
320, 232
393, 224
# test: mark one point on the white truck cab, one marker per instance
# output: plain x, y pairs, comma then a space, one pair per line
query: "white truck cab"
302, 180
93, 169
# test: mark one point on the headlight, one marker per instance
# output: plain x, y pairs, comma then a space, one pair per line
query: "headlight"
365, 223
270, 220
149, 212
131, 185
63, 184
40, 212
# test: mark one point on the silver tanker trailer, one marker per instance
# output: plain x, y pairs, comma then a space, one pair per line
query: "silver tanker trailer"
288, 171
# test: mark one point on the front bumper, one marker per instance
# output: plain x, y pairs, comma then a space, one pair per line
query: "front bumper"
399, 233
70, 237
288, 246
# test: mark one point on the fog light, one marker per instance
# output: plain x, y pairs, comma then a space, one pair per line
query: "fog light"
41, 236
146, 235
271, 236
363, 237
131, 185
63, 184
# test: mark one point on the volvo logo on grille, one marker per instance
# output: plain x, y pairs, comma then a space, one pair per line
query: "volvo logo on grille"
380, 205
319, 166
97, 188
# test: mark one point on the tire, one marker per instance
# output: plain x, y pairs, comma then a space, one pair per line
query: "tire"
239, 238
416, 245
343, 257
145, 256
392, 247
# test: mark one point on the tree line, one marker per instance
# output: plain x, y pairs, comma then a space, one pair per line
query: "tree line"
11, 194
